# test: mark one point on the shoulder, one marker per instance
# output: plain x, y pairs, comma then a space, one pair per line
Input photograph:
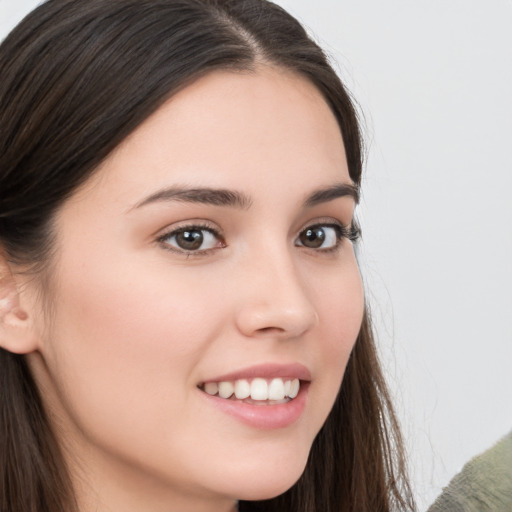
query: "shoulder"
483, 485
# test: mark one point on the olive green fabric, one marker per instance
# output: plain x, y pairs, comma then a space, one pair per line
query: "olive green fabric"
483, 485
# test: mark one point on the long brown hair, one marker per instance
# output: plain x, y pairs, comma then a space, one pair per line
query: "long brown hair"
76, 78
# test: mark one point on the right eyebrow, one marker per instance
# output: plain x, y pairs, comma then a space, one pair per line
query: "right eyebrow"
332, 192
212, 196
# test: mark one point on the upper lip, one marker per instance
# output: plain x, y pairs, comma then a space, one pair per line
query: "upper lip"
266, 371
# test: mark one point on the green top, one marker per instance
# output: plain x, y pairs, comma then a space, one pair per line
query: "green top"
483, 485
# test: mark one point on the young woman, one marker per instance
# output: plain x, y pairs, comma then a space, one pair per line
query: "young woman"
182, 320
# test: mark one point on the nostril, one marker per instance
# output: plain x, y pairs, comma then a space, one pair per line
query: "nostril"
265, 330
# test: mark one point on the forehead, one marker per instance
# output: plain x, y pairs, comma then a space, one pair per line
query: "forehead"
244, 128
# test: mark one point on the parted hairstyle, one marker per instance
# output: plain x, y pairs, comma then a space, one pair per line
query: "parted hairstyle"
76, 78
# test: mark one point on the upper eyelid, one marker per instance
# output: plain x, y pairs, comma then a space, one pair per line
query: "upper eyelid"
189, 224
325, 221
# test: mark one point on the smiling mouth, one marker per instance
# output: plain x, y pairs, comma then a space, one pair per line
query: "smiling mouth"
257, 391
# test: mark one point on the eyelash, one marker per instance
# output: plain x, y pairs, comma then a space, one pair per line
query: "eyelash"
351, 233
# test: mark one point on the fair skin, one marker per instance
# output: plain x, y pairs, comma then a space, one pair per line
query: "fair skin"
139, 321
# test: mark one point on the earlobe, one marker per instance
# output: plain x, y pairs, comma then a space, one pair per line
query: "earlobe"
16, 333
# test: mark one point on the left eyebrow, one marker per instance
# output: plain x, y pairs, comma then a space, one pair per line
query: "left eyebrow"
332, 192
211, 196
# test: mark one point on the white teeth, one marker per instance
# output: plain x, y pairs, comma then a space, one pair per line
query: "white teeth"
276, 390
258, 389
226, 389
294, 388
242, 389
211, 388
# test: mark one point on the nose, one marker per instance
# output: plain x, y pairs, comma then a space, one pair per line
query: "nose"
274, 300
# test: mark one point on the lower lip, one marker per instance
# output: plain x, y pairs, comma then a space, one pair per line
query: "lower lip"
263, 416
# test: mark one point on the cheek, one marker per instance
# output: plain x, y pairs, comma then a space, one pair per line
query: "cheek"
342, 317
341, 307
132, 305
125, 345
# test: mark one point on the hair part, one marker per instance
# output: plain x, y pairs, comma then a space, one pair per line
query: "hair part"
77, 79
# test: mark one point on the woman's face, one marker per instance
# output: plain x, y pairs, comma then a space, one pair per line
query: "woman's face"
209, 252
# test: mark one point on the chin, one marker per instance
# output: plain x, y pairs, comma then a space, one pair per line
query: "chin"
269, 484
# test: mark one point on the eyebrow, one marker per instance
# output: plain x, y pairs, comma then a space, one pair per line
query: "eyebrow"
212, 196
236, 199
332, 192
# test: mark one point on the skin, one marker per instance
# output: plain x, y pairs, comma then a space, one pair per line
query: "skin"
135, 324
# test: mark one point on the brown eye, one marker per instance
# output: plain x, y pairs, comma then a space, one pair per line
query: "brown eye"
320, 237
312, 237
192, 239
189, 240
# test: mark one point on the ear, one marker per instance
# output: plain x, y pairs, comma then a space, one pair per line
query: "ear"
16, 326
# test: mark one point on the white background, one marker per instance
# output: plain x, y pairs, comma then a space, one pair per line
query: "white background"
434, 82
